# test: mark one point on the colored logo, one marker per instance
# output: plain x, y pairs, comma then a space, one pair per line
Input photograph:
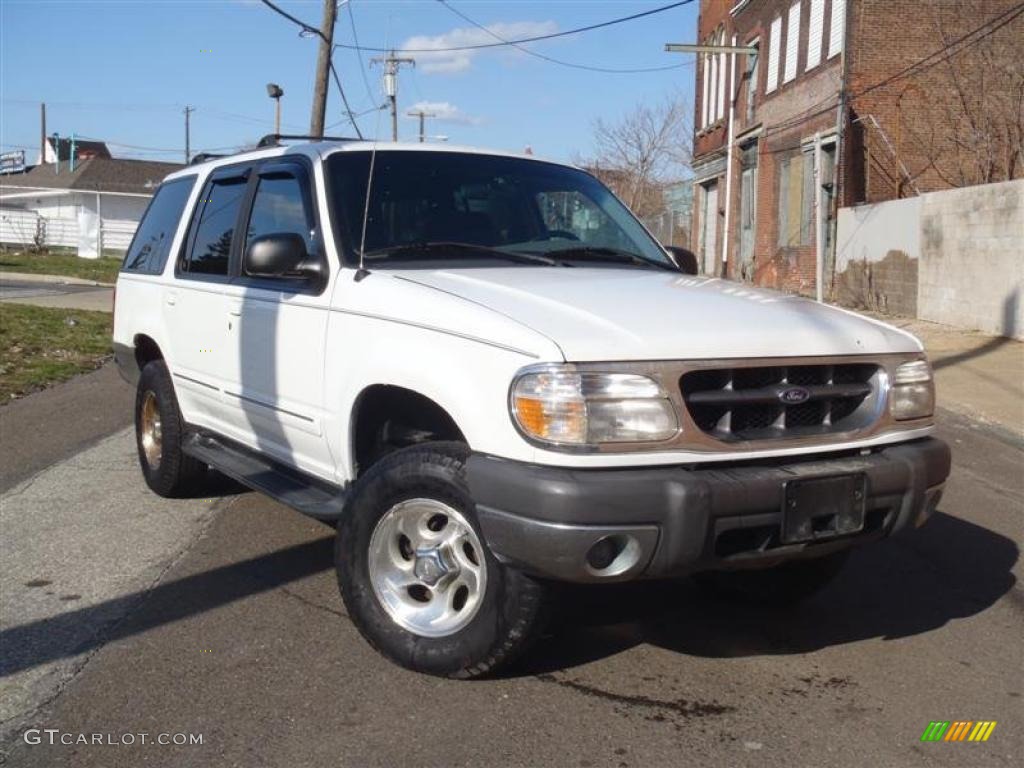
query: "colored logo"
959, 730
794, 395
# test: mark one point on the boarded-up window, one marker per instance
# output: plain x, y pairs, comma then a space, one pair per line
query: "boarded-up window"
705, 63
774, 41
721, 80
815, 29
713, 95
792, 38
751, 81
796, 198
836, 26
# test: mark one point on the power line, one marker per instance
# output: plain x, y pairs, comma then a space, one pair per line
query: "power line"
359, 52
313, 30
552, 60
944, 54
533, 39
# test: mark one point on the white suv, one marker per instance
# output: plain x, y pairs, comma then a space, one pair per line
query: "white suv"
490, 376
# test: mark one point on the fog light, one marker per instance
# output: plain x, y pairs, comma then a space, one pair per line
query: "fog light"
603, 553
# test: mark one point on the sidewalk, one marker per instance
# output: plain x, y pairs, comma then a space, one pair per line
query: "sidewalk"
976, 375
55, 291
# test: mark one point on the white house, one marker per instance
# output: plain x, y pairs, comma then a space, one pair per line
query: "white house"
93, 206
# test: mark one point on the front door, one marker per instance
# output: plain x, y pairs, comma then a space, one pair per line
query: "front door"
748, 213
276, 331
709, 227
194, 304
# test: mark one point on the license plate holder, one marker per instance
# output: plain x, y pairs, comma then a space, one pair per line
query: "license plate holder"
819, 508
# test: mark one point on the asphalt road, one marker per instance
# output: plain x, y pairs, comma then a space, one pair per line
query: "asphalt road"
49, 293
221, 617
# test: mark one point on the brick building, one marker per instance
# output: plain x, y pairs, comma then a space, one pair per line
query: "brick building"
843, 102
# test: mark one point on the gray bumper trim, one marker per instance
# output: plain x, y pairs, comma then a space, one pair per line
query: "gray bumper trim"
544, 519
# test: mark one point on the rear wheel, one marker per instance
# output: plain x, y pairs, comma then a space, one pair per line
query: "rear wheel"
784, 584
417, 577
159, 431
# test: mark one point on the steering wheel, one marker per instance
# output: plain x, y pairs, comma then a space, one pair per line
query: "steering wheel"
562, 233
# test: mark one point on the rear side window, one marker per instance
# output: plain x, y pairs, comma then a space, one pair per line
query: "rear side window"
152, 242
217, 215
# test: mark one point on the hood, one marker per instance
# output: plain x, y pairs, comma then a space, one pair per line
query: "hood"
637, 314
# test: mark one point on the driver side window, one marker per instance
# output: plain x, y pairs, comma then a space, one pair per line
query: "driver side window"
279, 207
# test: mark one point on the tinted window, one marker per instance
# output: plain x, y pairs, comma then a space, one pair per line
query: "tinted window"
218, 213
152, 241
278, 208
520, 206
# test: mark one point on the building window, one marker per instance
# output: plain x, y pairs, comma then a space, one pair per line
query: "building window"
721, 77
792, 39
796, 199
752, 79
705, 63
836, 27
815, 28
774, 41
713, 95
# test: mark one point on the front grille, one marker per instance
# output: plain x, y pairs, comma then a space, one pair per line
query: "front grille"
749, 403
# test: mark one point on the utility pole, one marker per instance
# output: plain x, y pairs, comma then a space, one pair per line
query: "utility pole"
42, 132
392, 64
188, 111
422, 116
323, 69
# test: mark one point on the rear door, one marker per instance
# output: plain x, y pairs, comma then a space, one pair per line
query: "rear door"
277, 328
194, 304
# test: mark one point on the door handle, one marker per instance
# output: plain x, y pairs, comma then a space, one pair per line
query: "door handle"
235, 311
172, 298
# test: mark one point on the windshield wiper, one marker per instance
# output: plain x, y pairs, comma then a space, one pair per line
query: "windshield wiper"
604, 253
458, 250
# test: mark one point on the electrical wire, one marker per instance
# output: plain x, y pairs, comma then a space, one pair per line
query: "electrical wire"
533, 39
337, 80
552, 60
359, 52
944, 54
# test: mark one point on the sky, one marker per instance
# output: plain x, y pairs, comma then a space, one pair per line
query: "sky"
123, 71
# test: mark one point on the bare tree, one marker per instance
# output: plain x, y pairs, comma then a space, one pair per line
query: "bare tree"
972, 103
643, 152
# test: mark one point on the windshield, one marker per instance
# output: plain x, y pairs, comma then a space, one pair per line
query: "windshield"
481, 210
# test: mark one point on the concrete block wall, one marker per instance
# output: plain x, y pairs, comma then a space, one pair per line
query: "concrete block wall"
954, 257
972, 258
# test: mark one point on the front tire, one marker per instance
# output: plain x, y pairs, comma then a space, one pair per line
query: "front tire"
417, 577
159, 431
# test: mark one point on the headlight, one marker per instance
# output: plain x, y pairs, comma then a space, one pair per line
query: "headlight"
562, 406
913, 392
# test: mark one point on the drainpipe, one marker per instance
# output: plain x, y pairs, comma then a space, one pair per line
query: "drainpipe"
838, 172
728, 158
819, 223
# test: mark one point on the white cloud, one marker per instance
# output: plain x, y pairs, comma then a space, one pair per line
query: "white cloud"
445, 112
459, 61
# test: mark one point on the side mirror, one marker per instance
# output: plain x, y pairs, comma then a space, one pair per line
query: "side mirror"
281, 254
684, 259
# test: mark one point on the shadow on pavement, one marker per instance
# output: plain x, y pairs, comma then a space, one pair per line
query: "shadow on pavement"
900, 587
39, 642
897, 588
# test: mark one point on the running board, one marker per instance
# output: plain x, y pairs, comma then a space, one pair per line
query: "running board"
303, 493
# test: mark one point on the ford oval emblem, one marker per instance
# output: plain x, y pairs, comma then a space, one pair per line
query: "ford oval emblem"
794, 395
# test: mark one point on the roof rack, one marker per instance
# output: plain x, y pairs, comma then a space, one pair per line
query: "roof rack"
274, 139
202, 157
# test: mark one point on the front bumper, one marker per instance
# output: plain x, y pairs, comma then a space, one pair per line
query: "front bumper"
664, 521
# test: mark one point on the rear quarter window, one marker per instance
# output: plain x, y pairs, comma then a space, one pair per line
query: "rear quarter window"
148, 251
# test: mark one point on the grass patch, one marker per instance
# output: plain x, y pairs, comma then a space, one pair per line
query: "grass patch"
40, 346
67, 264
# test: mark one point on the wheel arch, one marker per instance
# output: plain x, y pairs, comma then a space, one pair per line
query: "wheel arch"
387, 417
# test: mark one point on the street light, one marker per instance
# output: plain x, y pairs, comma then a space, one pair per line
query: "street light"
275, 92
732, 50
